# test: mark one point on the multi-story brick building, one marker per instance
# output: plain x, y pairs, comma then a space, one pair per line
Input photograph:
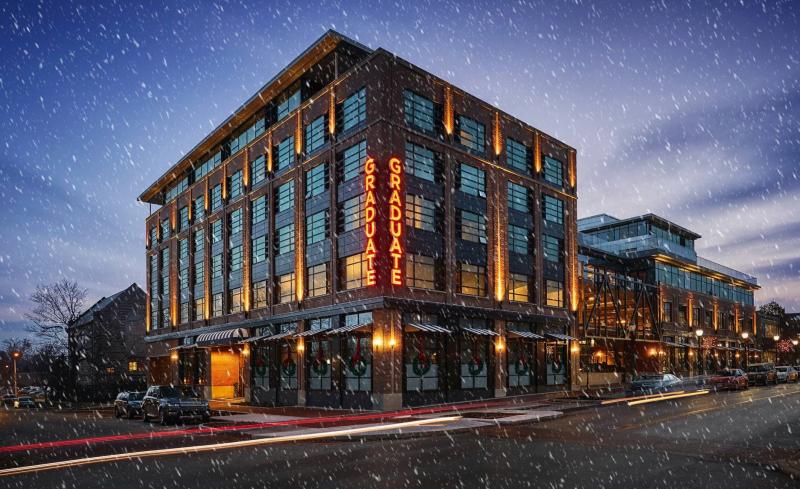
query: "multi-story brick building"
649, 301
361, 233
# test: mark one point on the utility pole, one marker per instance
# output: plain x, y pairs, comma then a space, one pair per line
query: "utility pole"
15, 355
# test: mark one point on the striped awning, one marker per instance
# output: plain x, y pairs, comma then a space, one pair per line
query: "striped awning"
427, 328
349, 329
270, 337
221, 338
480, 331
311, 332
559, 336
525, 335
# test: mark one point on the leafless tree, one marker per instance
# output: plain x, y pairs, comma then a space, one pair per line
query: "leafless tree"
22, 345
56, 306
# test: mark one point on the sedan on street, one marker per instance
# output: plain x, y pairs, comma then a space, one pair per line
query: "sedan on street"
732, 378
654, 383
762, 373
787, 374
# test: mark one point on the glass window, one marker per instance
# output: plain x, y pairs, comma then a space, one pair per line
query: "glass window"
216, 231
518, 287
285, 152
176, 190
354, 271
183, 218
212, 162
420, 271
199, 272
552, 248
236, 258
471, 279
555, 293
235, 221
284, 197
518, 240
473, 226
518, 197
473, 363
317, 280
418, 111
518, 156
183, 248
216, 305
183, 278
354, 110
216, 197
553, 210
315, 134
284, 242
259, 294
470, 134
216, 266
357, 363
259, 209
316, 180
317, 227
199, 209
165, 229
199, 308
553, 171
472, 181
287, 106
258, 170
319, 365
247, 135
235, 185
421, 359
421, 162
420, 212
285, 292
352, 213
235, 300
352, 161
259, 249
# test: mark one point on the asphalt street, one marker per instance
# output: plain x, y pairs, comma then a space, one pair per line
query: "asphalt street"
723, 440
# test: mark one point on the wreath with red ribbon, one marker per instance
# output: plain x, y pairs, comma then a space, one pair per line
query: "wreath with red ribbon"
320, 364
521, 366
421, 363
288, 366
357, 365
475, 365
261, 365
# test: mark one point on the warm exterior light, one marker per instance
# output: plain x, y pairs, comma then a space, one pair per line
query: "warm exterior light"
298, 134
653, 352
369, 219
448, 119
537, 152
691, 353
16, 354
572, 169
377, 341
173, 356
393, 343
776, 337
301, 345
499, 345
499, 261
794, 342
497, 136
332, 113
396, 219
737, 355
269, 153
575, 348
745, 335
246, 350
698, 332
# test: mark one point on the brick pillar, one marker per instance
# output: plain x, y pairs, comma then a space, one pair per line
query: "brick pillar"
301, 367
387, 376
500, 359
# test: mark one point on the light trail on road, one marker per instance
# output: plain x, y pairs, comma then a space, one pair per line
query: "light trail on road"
221, 446
668, 398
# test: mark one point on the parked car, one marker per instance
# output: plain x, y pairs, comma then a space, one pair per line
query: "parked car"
730, 378
128, 404
652, 383
166, 403
762, 373
787, 374
24, 402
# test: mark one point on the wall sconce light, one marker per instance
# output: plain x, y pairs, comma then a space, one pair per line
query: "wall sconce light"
575, 348
173, 356
499, 345
301, 345
653, 352
393, 343
377, 342
246, 349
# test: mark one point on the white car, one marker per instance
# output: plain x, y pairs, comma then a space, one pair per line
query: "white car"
787, 374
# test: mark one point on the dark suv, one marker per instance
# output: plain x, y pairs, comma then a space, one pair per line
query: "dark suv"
166, 403
762, 373
128, 404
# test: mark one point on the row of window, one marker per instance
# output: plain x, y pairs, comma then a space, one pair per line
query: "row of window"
701, 317
685, 279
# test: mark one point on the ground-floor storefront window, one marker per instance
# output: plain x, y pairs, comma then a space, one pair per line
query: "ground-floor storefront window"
555, 363
288, 364
357, 363
319, 365
473, 362
421, 355
521, 363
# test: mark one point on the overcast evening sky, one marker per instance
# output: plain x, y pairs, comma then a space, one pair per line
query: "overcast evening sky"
687, 111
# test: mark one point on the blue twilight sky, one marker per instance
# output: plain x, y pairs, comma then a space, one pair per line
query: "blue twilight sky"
688, 110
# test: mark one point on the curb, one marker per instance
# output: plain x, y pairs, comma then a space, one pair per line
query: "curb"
790, 467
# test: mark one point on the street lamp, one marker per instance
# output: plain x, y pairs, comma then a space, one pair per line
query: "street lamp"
16, 355
745, 336
699, 333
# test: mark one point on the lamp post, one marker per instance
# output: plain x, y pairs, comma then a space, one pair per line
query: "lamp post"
776, 338
745, 336
699, 333
794, 344
16, 355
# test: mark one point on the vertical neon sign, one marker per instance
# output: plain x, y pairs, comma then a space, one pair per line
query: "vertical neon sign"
395, 220
369, 218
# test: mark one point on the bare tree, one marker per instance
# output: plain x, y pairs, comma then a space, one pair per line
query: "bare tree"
22, 345
772, 308
56, 306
